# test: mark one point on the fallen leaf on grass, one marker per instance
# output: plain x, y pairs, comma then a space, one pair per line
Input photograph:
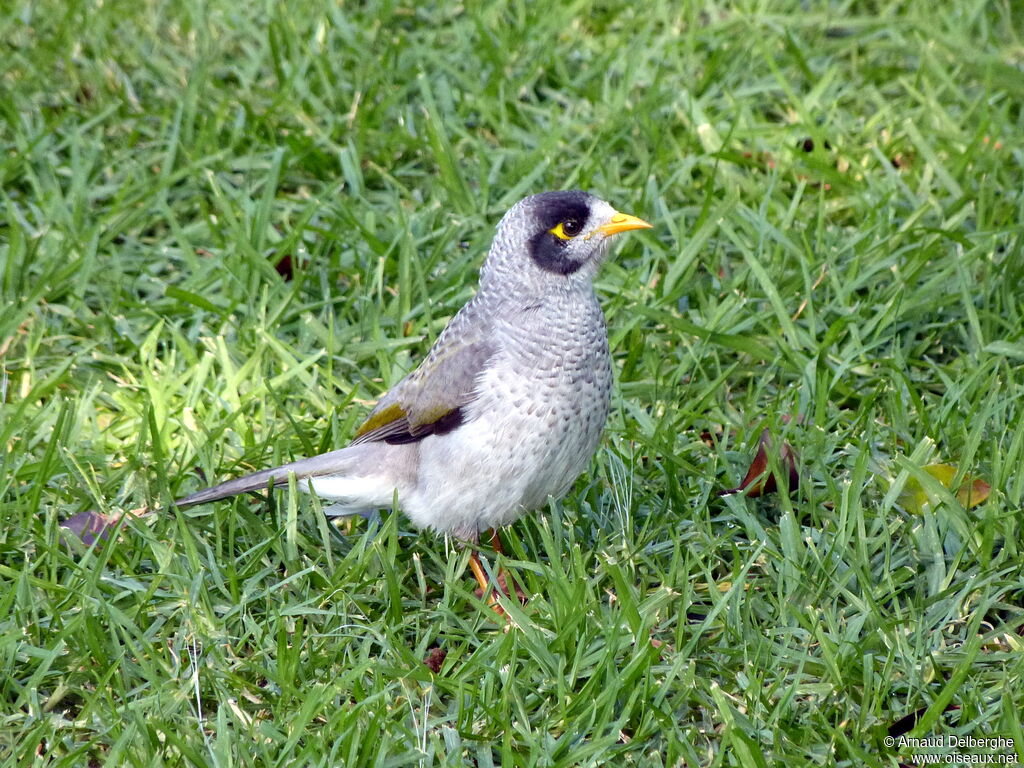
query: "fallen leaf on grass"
759, 480
972, 491
435, 658
92, 526
286, 266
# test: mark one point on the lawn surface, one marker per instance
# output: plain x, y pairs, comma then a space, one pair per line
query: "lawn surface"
226, 229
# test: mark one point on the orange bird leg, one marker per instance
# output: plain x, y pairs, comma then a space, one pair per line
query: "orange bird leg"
496, 542
503, 576
481, 578
478, 571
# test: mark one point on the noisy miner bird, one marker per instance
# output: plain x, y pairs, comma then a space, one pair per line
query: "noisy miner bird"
507, 408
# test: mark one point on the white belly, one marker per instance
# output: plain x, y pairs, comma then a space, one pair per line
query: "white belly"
526, 440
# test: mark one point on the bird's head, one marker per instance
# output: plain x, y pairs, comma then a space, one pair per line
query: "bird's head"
556, 237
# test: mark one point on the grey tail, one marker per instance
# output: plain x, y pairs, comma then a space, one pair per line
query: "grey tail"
335, 462
91, 526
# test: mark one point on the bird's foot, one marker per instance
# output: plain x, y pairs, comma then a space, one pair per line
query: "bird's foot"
489, 588
501, 585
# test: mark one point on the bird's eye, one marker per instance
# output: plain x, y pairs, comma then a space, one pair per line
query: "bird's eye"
567, 229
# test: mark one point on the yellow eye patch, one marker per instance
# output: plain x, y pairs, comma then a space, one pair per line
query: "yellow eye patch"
566, 230
559, 232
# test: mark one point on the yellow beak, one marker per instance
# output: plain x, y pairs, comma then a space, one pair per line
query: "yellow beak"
621, 222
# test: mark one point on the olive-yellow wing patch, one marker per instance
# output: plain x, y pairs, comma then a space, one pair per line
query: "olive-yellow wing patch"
432, 399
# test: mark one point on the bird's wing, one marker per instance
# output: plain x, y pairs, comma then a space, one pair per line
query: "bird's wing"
432, 399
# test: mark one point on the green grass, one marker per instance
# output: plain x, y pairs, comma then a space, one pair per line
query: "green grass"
838, 199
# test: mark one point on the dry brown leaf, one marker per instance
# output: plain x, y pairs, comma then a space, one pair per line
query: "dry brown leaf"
759, 480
